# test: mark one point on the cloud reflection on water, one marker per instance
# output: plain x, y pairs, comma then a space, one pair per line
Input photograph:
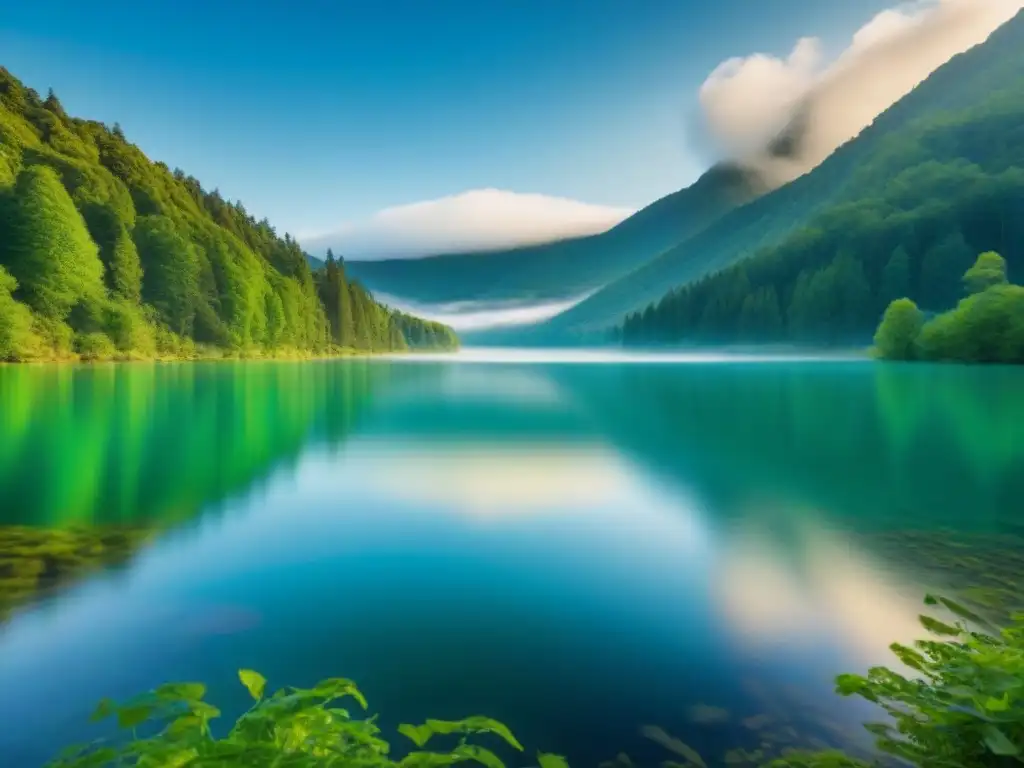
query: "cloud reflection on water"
488, 480
816, 588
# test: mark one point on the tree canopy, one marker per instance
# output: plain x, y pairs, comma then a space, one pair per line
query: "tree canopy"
985, 327
104, 253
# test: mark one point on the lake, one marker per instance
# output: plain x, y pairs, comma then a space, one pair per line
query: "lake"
578, 545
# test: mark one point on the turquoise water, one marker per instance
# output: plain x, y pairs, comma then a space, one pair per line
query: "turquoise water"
577, 548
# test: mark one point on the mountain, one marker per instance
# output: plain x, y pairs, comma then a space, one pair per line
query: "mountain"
106, 254
567, 268
960, 118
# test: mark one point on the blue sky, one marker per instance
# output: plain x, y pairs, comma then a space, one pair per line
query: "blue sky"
317, 113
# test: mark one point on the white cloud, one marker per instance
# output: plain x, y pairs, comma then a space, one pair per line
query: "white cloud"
748, 101
479, 219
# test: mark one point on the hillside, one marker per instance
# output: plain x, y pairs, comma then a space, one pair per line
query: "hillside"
567, 268
937, 123
106, 254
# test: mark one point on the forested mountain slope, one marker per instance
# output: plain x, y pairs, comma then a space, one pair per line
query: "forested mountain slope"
568, 268
104, 253
920, 155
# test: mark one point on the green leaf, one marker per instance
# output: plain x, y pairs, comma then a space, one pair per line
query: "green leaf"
937, 627
479, 724
427, 760
654, 733
481, 755
104, 709
848, 685
130, 716
908, 656
100, 758
963, 612
998, 705
418, 734
254, 682
184, 724
339, 687
177, 691
203, 709
548, 760
997, 742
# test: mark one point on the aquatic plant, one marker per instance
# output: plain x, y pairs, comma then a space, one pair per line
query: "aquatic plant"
291, 727
960, 706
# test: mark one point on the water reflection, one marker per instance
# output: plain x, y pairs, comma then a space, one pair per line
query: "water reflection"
579, 550
109, 444
817, 590
490, 479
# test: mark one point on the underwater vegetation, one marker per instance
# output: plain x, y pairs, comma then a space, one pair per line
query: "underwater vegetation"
37, 561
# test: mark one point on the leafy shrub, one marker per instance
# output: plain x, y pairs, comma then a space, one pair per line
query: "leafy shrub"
291, 727
985, 327
17, 339
896, 338
988, 270
128, 328
962, 705
94, 346
56, 337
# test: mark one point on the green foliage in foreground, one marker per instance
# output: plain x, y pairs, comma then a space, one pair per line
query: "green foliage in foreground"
291, 727
985, 327
961, 705
105, 254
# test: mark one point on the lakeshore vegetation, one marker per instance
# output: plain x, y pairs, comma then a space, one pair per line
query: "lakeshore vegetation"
105, 254
961, 705
987, 326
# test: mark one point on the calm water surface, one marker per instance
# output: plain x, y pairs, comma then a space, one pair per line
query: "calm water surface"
578, 548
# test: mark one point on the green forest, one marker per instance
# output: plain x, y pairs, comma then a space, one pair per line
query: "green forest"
105, 254
830, 282
911, 202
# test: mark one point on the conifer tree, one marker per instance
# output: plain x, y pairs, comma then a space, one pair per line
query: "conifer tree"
49, 251
171, 267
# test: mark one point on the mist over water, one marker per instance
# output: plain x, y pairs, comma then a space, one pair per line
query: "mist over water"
616, 356
579, 544
484, 315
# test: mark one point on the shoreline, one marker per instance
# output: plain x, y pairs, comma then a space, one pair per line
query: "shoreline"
213, 358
